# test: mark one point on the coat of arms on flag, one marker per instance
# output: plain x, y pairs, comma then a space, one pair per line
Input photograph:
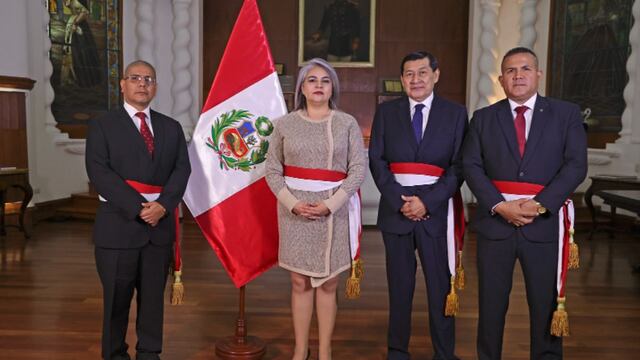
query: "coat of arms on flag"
240, 147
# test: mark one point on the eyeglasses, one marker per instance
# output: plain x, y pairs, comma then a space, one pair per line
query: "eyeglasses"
148, 80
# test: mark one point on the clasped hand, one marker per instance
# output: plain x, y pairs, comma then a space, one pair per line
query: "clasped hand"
152, 212
311, 211
518, 212
413, 208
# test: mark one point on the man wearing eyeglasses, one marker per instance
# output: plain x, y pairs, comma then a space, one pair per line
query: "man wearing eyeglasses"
137, 160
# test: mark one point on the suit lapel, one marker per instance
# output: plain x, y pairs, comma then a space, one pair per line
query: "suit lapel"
158, 136
404, 118
133, 133
505, 119
135, 139
538, 124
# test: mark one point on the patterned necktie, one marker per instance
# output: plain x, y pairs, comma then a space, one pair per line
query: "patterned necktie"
145, 132
521, 128
417, 122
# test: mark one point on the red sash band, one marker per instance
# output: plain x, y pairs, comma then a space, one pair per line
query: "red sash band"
313, 174
514, 187
415, 168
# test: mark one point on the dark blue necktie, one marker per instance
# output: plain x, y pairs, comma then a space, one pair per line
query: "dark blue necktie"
417, 122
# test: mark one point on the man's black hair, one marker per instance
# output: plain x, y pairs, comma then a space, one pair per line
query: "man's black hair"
417, 55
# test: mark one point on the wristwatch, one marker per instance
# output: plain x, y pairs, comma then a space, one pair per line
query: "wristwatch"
541, 209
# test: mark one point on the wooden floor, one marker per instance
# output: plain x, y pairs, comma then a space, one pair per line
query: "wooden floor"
50, 303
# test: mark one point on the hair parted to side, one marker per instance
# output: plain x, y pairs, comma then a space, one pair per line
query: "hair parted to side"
139, 62
300, 102
520, 50
417, 55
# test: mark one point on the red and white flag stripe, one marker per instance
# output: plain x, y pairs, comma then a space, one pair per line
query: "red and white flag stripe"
235, 209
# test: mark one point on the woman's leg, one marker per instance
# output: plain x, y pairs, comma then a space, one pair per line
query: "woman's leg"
326, 308
302, 309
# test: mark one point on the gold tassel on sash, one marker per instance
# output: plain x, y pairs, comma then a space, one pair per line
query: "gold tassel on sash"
574, 252
177, 289
452, 304
560, 321
359, 268
460, 273
353, 282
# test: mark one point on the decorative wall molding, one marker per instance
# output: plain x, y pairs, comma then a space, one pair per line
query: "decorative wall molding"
181, 66
145, 43
488, 57
528, 19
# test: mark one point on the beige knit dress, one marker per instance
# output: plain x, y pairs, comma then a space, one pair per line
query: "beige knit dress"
316, 248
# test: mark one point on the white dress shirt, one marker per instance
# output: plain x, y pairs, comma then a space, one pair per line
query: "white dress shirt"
136, 120
425, 110
528, 115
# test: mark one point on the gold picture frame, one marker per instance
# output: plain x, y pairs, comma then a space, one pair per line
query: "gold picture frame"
344, 41
279, 68
391, 86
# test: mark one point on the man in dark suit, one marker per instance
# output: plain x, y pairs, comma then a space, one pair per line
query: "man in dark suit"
523, 157
137, 160
414, 156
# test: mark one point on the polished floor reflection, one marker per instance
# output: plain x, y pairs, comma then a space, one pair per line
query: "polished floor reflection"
50, 302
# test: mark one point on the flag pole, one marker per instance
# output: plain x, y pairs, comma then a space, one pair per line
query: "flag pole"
241, 346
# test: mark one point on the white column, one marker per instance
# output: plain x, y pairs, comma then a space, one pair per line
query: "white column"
144, 31
488, 56
528, 18
629, 90
181, 66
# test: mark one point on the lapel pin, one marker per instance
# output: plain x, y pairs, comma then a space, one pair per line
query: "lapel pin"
541, 110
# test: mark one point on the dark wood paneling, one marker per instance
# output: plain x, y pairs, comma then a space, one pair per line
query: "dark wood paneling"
402, 26
13, 130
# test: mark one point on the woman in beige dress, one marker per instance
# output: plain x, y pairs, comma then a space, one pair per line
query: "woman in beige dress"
318, 142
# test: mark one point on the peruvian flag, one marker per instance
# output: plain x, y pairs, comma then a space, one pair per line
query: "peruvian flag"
227, 193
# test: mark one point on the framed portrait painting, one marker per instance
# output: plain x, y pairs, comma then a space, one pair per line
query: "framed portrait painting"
339, 31
86, 54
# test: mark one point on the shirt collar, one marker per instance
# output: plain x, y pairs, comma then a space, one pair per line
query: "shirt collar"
531, 103
426, 102
133, 111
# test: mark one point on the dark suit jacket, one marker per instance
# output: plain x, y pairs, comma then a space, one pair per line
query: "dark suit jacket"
392, 140
116, 152
555, 156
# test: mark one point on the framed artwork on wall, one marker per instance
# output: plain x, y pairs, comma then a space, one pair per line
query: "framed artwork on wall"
588, 53
339, 31
86, 54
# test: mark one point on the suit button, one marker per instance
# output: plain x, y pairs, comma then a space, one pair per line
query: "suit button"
521, 173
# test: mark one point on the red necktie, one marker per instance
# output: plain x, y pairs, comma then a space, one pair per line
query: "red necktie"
521, 128
145, 132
